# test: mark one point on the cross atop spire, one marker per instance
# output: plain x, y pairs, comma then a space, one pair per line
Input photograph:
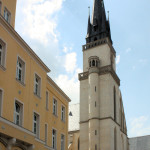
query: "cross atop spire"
99, 27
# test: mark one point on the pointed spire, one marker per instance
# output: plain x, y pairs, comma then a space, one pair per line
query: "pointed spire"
89, 25
99, 27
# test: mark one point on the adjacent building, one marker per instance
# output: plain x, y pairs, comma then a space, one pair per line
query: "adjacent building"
140, 143
33, 109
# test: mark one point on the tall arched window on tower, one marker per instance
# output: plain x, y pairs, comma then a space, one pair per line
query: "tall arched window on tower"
93, 63
122, 142
115, 139
78, 143
114, 104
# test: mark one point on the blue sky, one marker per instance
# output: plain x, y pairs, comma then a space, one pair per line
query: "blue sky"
56, 30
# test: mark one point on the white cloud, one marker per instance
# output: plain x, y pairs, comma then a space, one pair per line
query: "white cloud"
69, 82
70, 62
143, 61
138, 126
128, 50
40, 20
65, 50
70, 86
36, 22
133, 67
118, 59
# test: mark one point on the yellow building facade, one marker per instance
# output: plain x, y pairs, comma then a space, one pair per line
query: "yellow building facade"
33, 109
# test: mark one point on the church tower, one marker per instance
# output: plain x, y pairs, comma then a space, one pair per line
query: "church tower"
102, 120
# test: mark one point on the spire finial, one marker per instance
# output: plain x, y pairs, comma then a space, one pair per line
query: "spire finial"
102, 3
89, 10
108, 15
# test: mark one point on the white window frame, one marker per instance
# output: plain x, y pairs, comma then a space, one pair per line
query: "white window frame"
55, 106
7, 15
62, 141
20, 114
22, 69
47, 99
3, 53
54, 137
37, 85
1, 101
63, 113
37, 133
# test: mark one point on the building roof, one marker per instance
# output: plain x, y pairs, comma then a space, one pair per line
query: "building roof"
74, 112
140, 143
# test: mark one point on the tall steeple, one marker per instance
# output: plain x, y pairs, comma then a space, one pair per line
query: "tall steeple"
99, 27
89, 25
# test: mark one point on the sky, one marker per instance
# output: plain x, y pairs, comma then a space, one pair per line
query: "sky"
56, 31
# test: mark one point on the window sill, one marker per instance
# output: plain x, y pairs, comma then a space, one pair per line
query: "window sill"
47, 109
49, 148
37, 96
63, 121
55, 115
2, 67
20, 125
20, 82
39, 140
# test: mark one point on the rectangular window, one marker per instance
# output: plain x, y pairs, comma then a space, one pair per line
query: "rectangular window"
37, 85
7, 15
20, 70
115, 115
54, 106
95, 132
95, 147
54, 138
2, 53
1, 99
18, 113
46, 130
62, 142
62, 113
36, 124
47, 99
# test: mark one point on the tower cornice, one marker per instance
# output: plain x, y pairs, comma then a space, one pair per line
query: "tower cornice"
98, 43
103, 70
